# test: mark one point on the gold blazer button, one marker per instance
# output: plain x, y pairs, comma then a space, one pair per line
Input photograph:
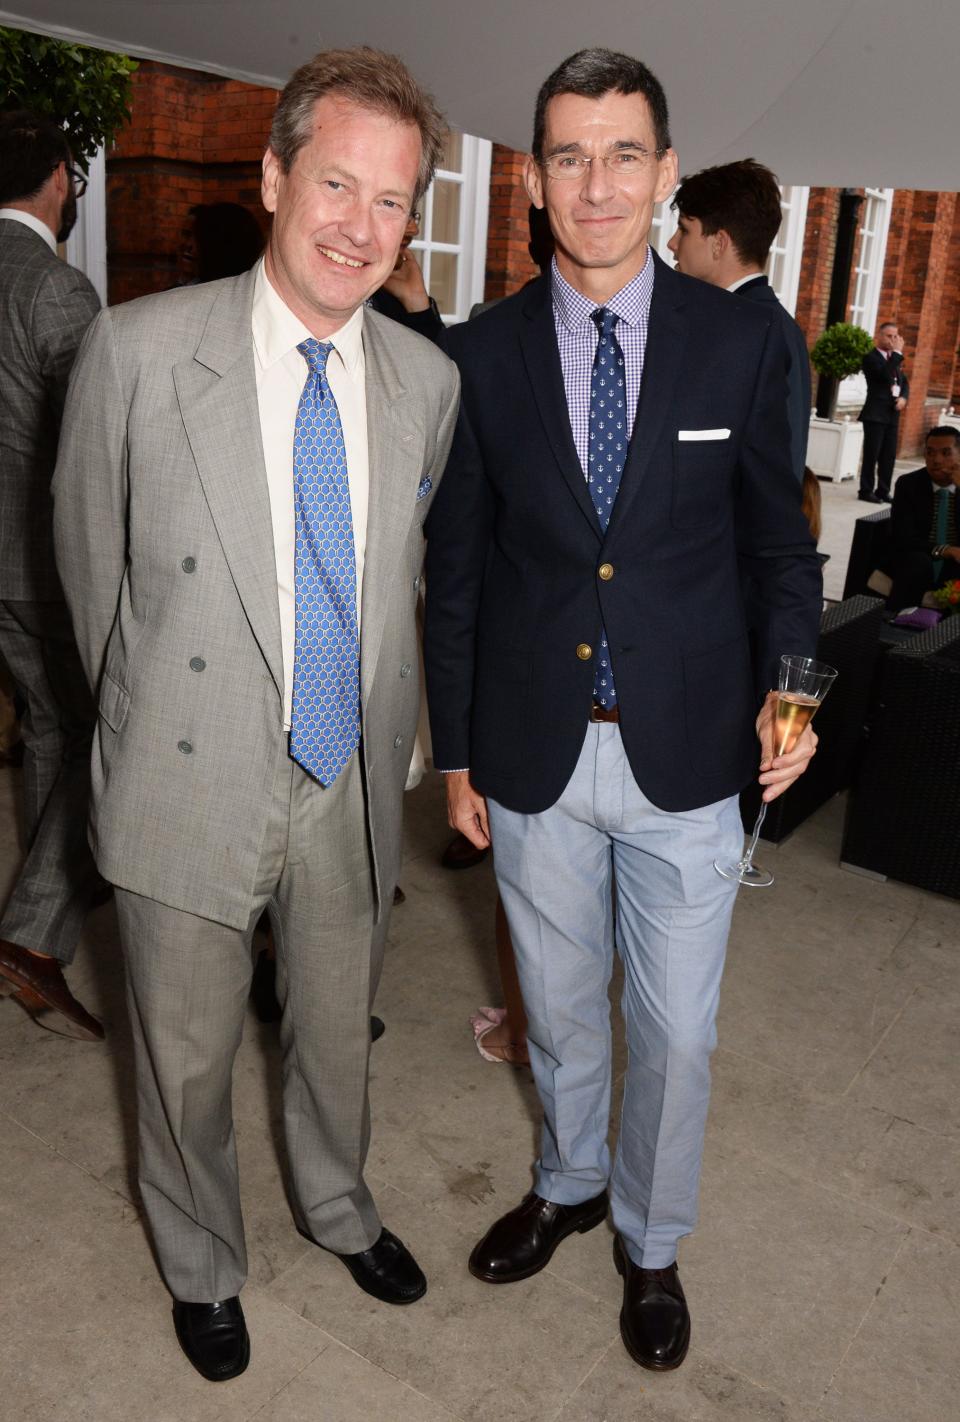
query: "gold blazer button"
584, 651
605, 571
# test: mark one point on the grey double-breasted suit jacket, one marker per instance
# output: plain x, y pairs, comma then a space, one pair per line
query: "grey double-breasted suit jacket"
165, 548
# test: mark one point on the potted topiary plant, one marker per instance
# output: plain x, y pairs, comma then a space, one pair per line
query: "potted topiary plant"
835, 446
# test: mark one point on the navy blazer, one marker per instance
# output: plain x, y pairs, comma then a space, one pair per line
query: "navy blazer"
798, 368
515, 552
911, 516
882, 372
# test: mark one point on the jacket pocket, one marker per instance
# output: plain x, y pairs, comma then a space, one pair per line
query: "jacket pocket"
114, 702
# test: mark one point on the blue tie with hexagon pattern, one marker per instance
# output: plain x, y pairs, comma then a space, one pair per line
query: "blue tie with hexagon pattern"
608, 454
325, 717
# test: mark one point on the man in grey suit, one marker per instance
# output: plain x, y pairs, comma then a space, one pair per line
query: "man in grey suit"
728, 219
243, 478
45, 308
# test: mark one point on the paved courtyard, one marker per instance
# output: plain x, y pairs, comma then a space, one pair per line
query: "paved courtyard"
824, 1278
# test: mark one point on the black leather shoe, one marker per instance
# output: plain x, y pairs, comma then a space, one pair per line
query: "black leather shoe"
654, 1320
461, 854
869, 498
377, 1028
214, 1337
523, 1241
387, 1270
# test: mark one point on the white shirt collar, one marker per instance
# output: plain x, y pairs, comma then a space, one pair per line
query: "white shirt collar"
742, 281
17, 214
939, 488
277, 331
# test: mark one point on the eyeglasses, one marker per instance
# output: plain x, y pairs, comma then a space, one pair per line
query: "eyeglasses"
79, 181
621, 162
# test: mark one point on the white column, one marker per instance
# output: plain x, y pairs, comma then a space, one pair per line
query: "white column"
87, 243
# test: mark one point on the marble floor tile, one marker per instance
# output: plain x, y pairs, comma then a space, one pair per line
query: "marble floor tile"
915, 1071
85, 1324
779, 1273
904, 1364
340, 1386
849, 1148
700, 1391
477, 1349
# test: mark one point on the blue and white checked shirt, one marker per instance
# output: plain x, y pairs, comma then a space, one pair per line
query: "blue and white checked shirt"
577, 339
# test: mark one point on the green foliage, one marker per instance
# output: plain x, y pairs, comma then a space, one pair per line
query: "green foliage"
87, 91
840, 350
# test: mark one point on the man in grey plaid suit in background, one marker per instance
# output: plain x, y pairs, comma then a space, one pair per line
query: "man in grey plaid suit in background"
45, 308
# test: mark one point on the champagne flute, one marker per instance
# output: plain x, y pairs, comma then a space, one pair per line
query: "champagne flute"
803, 685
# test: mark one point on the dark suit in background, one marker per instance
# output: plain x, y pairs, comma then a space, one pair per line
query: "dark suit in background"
798, 368
881, 419
912, 537
45, 308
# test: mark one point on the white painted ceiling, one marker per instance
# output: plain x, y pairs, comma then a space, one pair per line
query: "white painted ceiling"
834, 92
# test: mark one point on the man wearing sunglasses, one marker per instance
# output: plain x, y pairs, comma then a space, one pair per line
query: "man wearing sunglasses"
45, 308
621, 466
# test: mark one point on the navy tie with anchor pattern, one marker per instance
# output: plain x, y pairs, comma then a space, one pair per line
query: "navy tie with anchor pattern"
607, 456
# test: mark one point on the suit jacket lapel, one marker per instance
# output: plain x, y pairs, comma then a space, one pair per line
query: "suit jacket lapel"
666, 343
538, 342
395, 442
217, 392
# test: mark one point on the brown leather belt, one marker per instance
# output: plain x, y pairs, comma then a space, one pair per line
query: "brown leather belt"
604, 713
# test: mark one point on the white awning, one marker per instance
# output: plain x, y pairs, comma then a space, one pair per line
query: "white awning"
860, 92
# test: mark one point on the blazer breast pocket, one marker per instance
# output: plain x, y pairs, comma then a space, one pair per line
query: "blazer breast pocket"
703, 463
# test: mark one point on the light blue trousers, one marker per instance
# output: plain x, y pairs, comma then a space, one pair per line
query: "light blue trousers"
604, 866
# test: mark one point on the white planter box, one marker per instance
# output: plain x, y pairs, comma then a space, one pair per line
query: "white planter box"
834, 448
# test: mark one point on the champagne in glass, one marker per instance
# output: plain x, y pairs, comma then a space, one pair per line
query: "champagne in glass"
794, 712
803, 685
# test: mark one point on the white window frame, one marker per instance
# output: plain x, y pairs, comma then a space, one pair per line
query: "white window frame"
86, 247
871, 258
662, 228
471, 245
787, 249
868, 279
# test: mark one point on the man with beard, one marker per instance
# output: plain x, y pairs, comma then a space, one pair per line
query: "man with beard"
45, 308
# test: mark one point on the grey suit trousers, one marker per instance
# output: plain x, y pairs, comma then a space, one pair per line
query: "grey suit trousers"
53, 892
188, 979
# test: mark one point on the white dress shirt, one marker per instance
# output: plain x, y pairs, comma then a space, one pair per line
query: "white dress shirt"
16, 214
281, 373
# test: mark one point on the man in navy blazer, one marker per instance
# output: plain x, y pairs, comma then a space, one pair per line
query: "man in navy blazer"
592, 692
728, 218
887, 392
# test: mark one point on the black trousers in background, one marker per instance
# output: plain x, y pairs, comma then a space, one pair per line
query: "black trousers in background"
879, 453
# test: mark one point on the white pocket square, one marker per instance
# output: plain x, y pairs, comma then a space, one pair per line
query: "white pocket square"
690, 435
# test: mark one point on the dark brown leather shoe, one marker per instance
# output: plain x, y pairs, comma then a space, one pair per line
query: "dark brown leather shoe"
214, 1337
654, 1320
523, 1241
39, 986
387, 1271
461, 854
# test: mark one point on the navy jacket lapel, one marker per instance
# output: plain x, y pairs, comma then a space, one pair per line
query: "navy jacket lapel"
538, 342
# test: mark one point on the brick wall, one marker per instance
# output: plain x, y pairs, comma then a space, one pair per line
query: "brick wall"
508, 234
816, 263
921, 292
193, 138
